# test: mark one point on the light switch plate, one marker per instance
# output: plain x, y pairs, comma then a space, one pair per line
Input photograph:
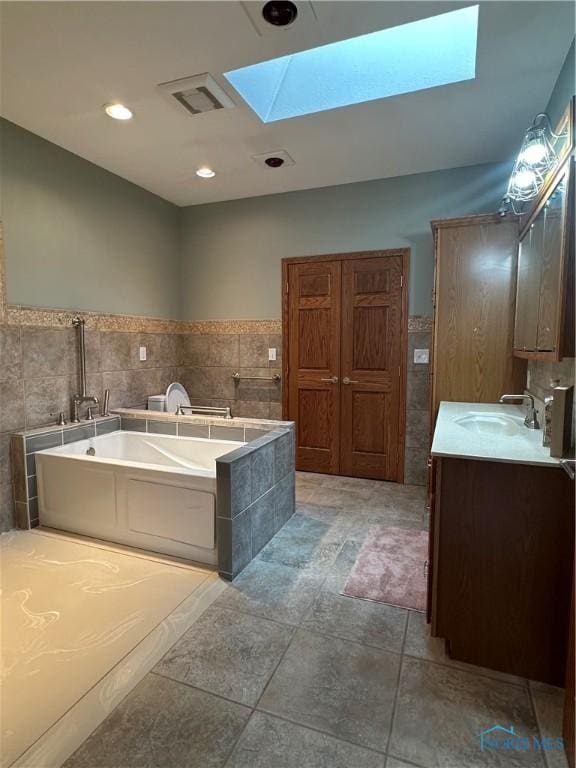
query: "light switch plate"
421, 356
272, 354
142, 354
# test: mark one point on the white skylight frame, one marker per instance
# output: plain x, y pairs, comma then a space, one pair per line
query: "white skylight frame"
428, 53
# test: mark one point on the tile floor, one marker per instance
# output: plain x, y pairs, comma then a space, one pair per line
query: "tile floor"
284, 672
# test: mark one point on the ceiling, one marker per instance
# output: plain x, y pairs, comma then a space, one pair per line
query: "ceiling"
62, 61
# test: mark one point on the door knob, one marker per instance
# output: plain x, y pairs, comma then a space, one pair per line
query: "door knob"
332, 379
346, 380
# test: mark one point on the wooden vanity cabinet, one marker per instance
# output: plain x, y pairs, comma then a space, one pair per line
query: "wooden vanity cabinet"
500, 571
544, 319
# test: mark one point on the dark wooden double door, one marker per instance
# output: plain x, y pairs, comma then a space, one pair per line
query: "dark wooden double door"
345, 364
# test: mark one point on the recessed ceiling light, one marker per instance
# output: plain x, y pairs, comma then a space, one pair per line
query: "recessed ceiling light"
118, 111
205, 173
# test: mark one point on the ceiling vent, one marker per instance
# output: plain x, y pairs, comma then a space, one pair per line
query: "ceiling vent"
305, 15
279, 159
197, 94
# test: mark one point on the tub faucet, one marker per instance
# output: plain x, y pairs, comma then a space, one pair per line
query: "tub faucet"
531, 420
77, 401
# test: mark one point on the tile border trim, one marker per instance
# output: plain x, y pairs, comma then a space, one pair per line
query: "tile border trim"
39, 317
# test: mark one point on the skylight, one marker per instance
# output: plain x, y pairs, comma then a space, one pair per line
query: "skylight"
412, 57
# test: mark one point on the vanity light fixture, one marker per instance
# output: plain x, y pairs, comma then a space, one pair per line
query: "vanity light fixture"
205, 173
118, 111
536, 158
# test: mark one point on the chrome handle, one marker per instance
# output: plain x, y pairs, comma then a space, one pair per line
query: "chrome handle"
346, 380
332, 379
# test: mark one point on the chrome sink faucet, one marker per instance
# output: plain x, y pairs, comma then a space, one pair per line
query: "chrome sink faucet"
531, 420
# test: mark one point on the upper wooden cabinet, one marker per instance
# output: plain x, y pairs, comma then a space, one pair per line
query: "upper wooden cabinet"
544, 320
474, 292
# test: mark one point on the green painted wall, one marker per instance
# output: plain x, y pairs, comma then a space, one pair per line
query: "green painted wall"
232, 251
79, 237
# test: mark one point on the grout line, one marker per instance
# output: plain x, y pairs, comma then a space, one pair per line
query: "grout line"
397, 691
308, 727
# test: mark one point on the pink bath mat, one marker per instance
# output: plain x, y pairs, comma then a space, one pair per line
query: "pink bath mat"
390, 568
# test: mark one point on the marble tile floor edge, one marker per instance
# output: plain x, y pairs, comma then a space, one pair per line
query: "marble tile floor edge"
87, 713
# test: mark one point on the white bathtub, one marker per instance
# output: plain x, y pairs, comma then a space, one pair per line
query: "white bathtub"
156, 492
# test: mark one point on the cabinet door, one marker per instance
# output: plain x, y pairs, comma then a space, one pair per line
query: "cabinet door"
549, 303
528, 288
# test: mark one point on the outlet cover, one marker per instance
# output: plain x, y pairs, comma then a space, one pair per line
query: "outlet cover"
421, 356
272, 354
142, 354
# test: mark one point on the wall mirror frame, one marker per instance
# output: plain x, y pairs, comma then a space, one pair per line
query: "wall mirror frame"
544, 318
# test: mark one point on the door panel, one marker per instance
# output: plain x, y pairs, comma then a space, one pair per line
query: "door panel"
371, 358
314, 298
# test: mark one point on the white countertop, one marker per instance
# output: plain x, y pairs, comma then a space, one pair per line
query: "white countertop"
458, 436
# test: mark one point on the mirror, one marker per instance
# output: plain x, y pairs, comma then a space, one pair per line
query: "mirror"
541, 256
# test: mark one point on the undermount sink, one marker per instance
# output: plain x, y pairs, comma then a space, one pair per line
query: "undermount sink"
487, 424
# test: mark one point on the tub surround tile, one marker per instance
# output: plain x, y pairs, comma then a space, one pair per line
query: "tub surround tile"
18, 460
162, 722
104, 427
263, 520
81, 432
161, 427
194, 430
254, 434
285, 502
262, 469
133, 425
24, 446
226, 433
250, 499
42, 441
284, 459
227, 653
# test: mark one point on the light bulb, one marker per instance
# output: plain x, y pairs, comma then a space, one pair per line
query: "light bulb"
118, 111
524, 178
205, 173
534, 153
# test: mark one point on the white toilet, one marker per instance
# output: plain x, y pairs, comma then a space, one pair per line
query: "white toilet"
175, 396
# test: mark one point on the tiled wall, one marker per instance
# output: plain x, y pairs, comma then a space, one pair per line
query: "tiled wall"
38, 376
417, 411
209, 360
255, 497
